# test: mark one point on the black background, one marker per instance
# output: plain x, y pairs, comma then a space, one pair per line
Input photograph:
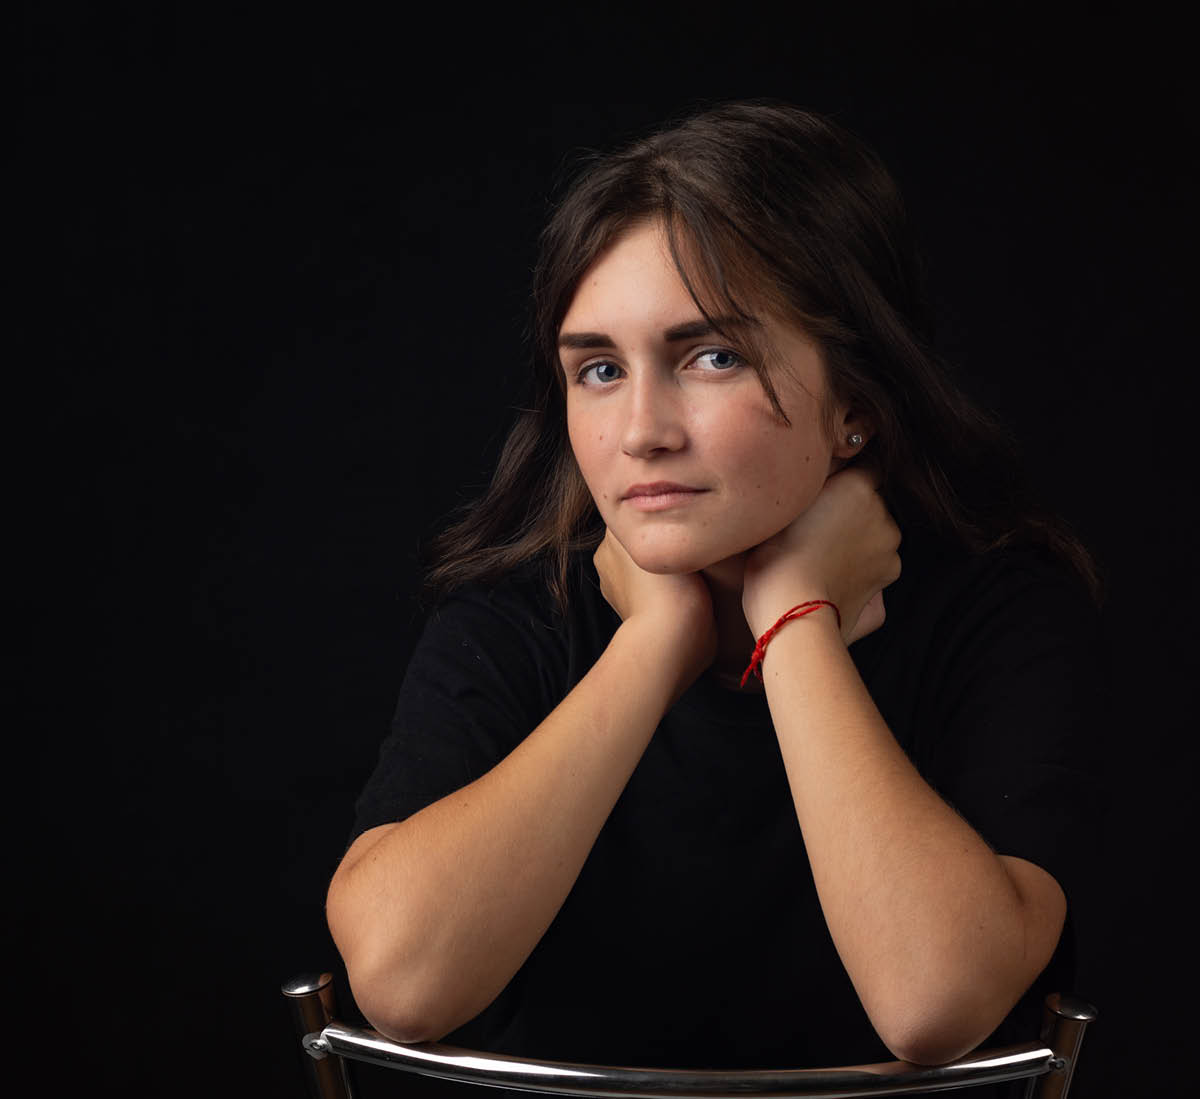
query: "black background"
276, 296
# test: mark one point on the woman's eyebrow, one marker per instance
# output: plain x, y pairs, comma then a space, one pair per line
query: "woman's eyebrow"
689, 330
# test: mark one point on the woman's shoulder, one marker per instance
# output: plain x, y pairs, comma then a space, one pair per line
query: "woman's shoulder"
951, 607
948, 575
996, 652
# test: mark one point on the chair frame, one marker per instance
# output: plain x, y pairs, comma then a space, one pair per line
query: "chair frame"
1047, 1064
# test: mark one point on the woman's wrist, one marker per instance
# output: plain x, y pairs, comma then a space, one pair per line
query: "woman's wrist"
763, 610
672, 650
821, 612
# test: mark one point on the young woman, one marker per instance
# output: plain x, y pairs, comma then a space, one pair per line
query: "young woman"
597, 833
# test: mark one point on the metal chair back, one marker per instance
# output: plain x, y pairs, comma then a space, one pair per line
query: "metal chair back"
1048, 1064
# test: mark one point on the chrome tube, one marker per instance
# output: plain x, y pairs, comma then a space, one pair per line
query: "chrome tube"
1065, 1021
497, 1070
313, 1008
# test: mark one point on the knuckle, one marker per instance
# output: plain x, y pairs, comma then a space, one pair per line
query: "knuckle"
862, 481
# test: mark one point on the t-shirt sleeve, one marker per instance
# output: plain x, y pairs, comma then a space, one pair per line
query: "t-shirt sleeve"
488, 667
1020, 744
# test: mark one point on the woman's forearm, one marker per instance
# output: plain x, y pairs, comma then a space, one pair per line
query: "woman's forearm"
435, 914
939, 935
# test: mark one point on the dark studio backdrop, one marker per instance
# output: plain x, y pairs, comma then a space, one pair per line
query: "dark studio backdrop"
277, 291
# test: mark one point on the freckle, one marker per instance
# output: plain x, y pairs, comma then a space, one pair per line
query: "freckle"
808, 457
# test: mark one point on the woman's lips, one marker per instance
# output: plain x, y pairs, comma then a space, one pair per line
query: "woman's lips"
660, 495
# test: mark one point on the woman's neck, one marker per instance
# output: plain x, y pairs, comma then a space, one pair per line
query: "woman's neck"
735, 642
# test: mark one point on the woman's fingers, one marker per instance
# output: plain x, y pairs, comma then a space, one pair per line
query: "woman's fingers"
871, 618
631, 590
843, 548
677, 607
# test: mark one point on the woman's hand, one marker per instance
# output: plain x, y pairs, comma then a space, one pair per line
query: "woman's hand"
843, 548
677, 608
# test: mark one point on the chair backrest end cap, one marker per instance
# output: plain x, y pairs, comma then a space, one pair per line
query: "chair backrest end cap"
306, 984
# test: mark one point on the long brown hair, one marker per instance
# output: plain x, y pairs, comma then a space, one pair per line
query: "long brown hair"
766, 207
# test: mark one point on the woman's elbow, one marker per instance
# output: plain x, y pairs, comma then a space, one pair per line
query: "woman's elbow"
396, 993
393, 1020
385, 976
929, 1046
399, 1014
937, 1030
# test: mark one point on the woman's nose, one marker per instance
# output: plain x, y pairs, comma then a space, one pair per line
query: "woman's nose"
654, 420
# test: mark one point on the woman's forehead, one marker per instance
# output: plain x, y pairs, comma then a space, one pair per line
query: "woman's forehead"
637, 276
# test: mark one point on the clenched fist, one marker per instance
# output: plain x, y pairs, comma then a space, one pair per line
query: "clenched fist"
675, 610
843, 548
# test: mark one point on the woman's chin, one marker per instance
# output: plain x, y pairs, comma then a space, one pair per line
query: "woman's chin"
659, 566
663, 562
676, 562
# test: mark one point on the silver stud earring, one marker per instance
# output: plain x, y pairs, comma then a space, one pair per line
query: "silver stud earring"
855, 439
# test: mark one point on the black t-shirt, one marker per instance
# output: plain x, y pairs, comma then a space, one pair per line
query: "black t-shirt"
693, 936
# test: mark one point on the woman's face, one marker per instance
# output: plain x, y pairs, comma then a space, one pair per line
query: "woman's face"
688, 462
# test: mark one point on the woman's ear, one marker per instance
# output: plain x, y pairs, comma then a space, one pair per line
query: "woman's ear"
852, 432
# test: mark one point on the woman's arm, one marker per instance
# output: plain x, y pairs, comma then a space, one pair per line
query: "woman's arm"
433, 915
939, 935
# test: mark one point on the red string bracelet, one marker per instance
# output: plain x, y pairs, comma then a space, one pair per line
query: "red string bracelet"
798, 611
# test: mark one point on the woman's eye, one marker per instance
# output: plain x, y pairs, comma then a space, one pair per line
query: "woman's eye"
600, 373
719, 359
